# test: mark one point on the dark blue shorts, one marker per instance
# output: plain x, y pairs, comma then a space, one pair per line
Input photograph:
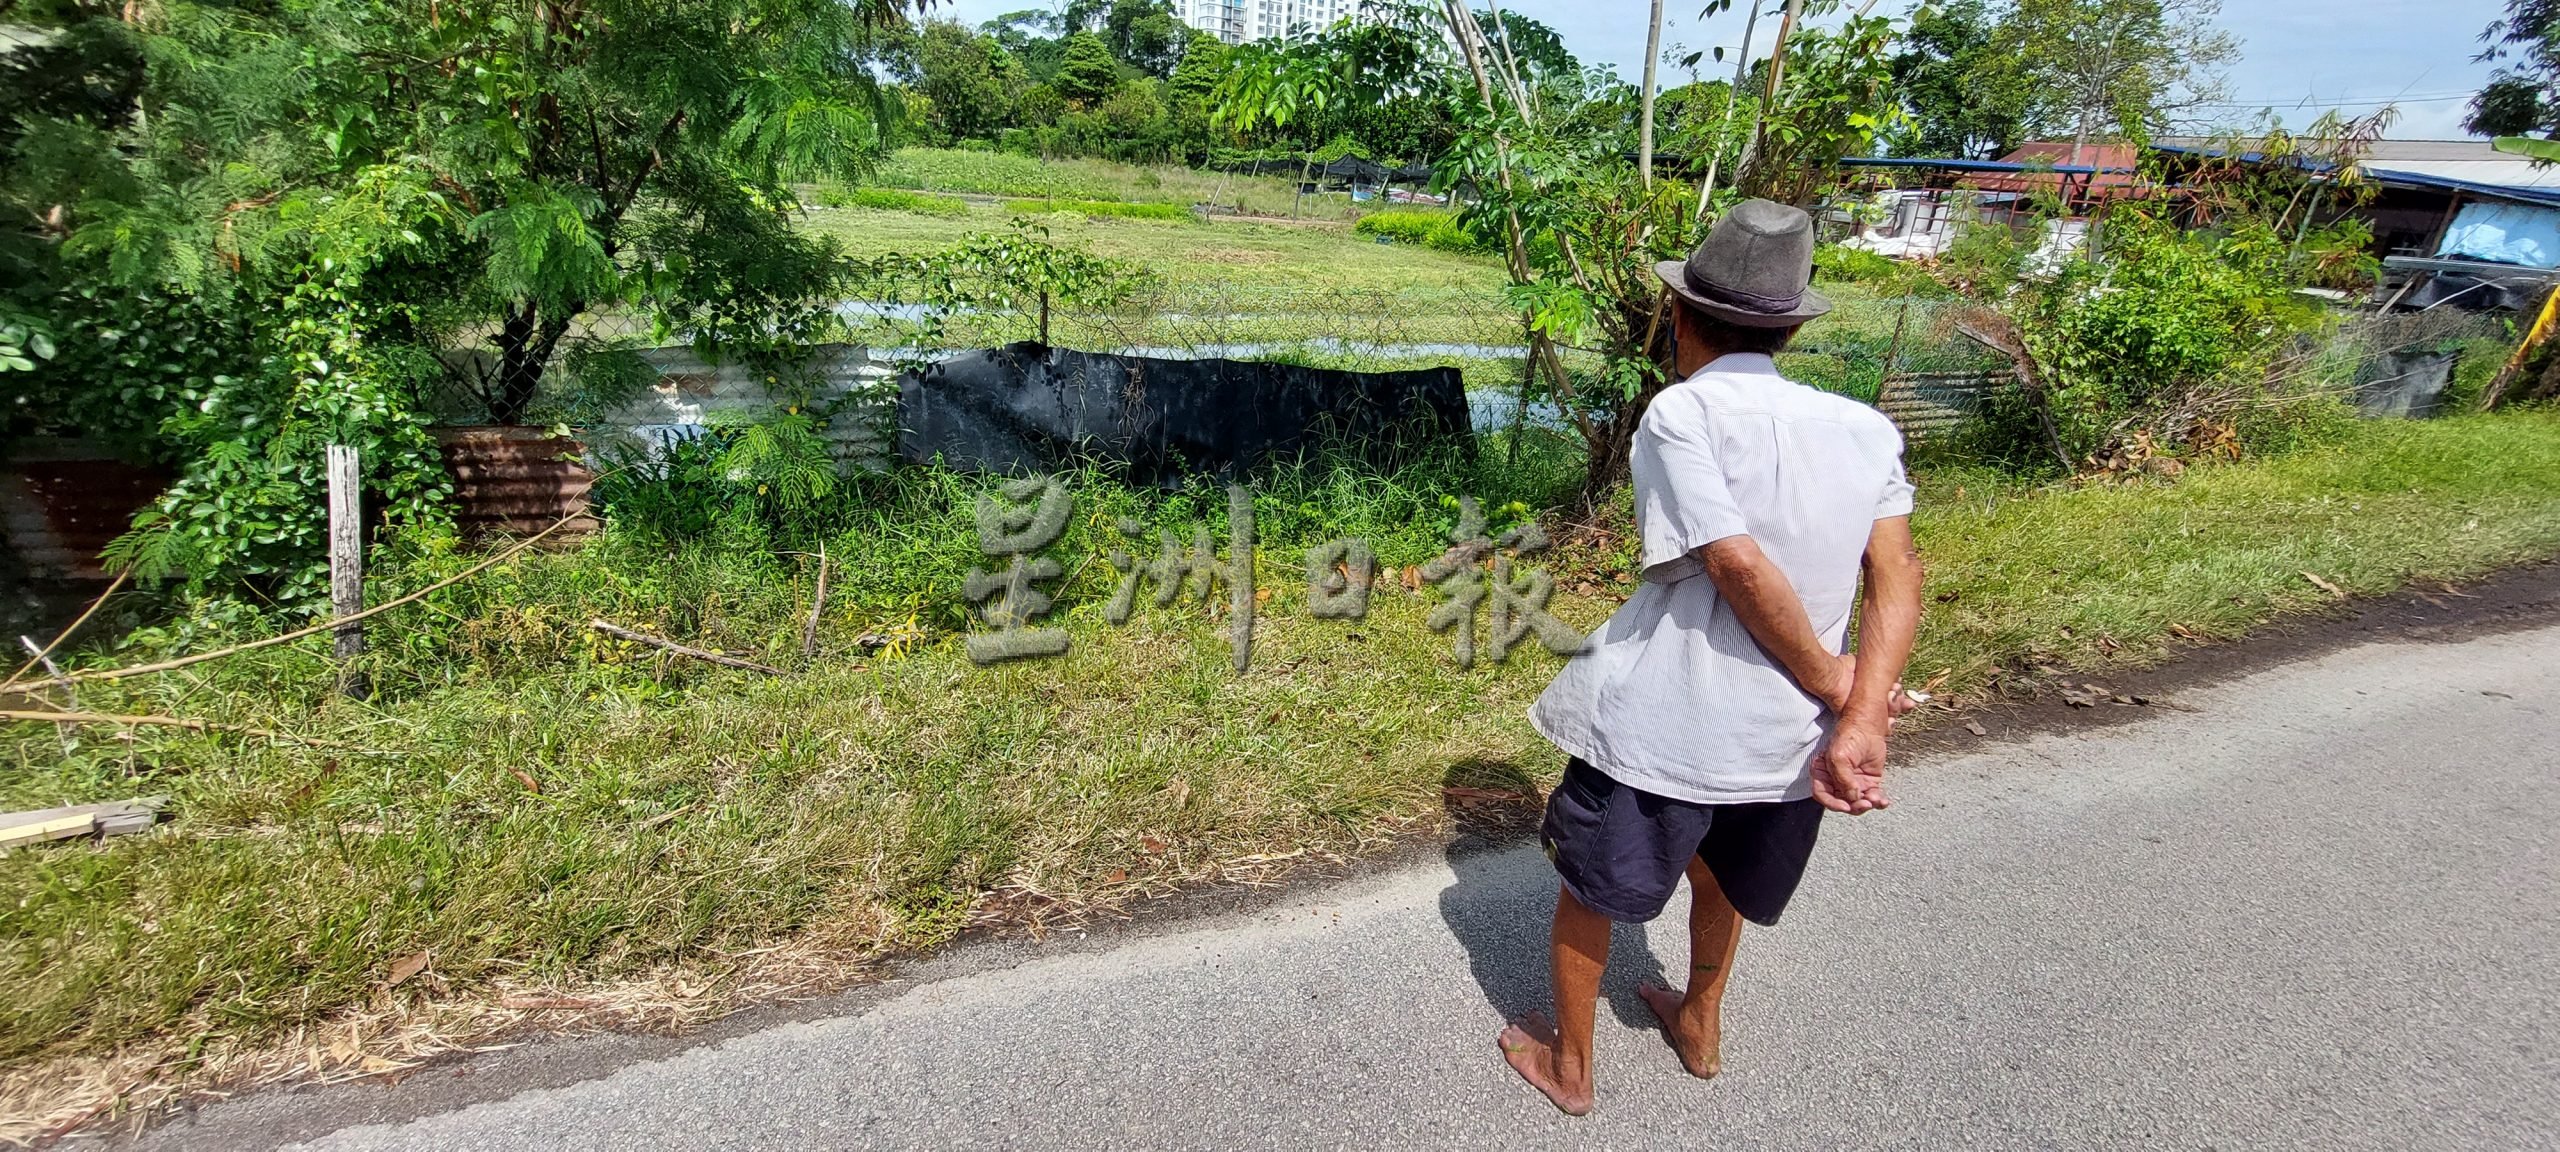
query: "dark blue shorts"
1622, 849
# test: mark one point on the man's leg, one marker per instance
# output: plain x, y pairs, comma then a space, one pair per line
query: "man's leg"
1695, 1021
1557, 1059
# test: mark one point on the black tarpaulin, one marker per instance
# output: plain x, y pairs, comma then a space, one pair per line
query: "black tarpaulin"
1354, 168
1031, 408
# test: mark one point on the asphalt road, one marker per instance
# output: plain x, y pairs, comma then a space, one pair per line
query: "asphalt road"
2321, 910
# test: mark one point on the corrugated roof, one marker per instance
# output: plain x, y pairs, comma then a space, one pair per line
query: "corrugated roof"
2468, 166
2509, 172
2110, 167
2434, 150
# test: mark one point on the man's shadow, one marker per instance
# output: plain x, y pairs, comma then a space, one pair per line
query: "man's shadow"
1503, 901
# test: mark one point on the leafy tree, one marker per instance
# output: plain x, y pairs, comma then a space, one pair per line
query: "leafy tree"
963, 73
1538, 50
1204, 59
1088, 71
1284, 86
60, 93
1147, 34
1835, 99
2121, 68
1966, 93
1022, 272
369, 182
2523, 94
1034, 37
1700, 124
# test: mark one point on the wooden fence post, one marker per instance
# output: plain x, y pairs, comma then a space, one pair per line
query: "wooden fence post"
346, 546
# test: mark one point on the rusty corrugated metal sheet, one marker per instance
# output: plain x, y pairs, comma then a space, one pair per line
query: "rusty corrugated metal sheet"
59, 513
1925, 404
515, 481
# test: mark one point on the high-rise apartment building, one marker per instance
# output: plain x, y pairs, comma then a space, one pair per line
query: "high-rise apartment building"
1236, 21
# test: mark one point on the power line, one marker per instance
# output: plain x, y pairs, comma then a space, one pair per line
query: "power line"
2317, 102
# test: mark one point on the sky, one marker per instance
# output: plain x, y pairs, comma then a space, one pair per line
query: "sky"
2297, 57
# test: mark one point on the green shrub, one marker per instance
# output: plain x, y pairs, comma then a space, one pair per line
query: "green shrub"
1440, 231
1850, 265
2170, 337
893, 200
985, 173
1404, 226
2480, 358
1120, 208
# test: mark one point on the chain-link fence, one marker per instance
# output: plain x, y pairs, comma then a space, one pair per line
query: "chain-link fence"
1911, 356
2418, 363
1918, 360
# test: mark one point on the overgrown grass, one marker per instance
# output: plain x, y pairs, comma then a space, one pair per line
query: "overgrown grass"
1011, 174
893, 200
1093, 208
687, 813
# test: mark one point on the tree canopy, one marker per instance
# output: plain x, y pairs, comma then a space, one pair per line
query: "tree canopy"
2122, 68
346, 191
2523, 94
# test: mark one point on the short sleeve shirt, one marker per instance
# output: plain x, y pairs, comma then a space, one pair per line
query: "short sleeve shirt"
1673, 695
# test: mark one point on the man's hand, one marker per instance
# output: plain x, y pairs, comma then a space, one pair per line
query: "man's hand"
1848, 774
1833, 689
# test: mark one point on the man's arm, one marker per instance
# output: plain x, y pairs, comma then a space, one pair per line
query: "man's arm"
1769, 607
1852, 775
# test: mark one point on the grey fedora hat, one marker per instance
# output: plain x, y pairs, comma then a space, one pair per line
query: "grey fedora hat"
1753, 269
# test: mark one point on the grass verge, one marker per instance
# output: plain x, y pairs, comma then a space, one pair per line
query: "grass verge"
552, 815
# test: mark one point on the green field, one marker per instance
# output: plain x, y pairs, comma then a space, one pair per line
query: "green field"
1227, 281
1010, 174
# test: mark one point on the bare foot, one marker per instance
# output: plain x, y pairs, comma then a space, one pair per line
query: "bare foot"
1529, 1046
1703, 1055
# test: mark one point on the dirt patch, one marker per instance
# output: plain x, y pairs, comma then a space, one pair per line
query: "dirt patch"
1235, 256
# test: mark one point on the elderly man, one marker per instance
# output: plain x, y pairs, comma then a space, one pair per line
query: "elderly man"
1716, 716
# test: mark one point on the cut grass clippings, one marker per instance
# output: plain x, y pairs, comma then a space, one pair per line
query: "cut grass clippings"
687, 817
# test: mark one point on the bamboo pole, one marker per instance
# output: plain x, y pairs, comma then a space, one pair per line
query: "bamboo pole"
1732, 100
1644, 132
1769, 98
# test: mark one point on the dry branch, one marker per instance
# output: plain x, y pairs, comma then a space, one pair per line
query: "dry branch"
65, 634
817, 606
15, 684
171, 722
621, 633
